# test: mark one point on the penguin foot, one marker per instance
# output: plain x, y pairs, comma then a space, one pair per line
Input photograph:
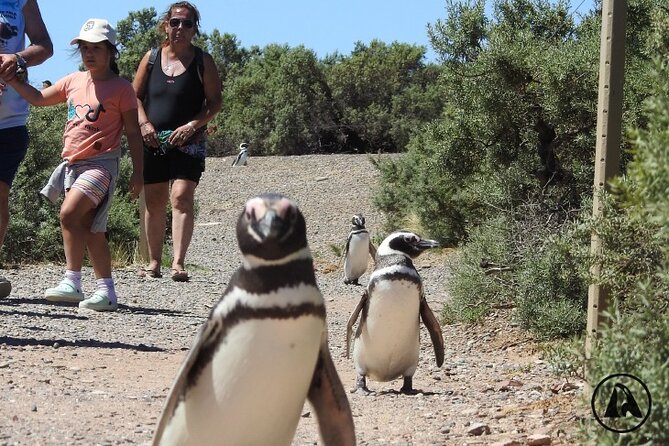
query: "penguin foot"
361, 386
351, 282
363, 391
407, 387
409, 391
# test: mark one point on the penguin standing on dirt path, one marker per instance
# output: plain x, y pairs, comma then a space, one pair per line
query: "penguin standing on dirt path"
242, 156
387, 338
358, 247
263, 349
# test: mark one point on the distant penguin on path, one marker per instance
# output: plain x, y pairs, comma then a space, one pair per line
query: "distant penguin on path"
263, 349
358, 247
386, 343
242, 156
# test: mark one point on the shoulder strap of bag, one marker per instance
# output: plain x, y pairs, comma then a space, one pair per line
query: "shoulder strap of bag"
199, 60
152, 57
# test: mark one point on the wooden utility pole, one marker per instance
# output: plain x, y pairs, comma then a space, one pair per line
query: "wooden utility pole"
609, 130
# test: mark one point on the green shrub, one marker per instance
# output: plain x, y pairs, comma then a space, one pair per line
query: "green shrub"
631, 248
514, 145
123, 224
635, 339
473, 292
636, 343
552, 285
415, 184
565, 357
34, 229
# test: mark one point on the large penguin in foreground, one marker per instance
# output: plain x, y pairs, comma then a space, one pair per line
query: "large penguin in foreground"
263, 349
358, 247
387, 338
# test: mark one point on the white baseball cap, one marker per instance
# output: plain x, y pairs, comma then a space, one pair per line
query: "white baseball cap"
96, 30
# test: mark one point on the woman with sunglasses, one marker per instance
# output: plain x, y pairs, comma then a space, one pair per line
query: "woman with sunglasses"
178, 94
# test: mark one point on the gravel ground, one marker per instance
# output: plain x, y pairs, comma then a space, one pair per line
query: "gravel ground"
80, 378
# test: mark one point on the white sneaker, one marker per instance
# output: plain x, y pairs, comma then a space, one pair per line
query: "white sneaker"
66, 291
99, 301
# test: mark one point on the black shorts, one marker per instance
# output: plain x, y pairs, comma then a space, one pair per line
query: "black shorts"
13, 148
175, 164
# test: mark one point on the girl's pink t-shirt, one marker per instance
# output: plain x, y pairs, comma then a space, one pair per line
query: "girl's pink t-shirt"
94, 108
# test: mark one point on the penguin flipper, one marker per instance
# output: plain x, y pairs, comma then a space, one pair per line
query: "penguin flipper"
328, 397
207, 332
353, 319
372, 250
344, 253
433, 327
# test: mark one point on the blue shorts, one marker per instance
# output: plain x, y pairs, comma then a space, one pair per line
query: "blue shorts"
13, 148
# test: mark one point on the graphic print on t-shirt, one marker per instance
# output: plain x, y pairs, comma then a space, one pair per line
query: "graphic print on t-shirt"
84, 113
7, 29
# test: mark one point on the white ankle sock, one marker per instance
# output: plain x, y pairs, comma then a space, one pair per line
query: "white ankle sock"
74, 276
107, 284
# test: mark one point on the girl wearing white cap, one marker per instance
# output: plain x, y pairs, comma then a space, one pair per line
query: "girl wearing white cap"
101, 105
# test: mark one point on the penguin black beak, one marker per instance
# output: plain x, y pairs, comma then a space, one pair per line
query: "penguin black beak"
270, 225
427, 244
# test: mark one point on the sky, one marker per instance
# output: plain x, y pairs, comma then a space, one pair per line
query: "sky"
323, 26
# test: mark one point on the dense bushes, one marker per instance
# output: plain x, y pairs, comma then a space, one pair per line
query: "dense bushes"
506, 173
525, 240
518, 126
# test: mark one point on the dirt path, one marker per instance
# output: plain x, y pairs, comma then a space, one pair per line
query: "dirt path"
71, 378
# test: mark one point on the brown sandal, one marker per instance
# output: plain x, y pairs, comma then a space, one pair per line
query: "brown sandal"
149, 273
180, 275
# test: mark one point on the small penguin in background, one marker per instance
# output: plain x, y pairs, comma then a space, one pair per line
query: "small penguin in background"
263, 350
358, 247
386, 344
242, 156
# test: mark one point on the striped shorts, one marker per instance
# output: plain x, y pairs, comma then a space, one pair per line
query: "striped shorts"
93, 180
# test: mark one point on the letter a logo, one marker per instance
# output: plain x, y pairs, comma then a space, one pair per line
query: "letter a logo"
613, 410
621, 403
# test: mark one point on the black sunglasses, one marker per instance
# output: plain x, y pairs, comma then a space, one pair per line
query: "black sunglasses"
187, 23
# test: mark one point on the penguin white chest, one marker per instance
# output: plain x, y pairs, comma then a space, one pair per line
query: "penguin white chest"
388, 343
241, 159
355, 263
254, 388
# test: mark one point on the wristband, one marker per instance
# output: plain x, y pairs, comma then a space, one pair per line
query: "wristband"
21, 68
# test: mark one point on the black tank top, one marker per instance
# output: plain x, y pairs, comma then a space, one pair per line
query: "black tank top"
169, 101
